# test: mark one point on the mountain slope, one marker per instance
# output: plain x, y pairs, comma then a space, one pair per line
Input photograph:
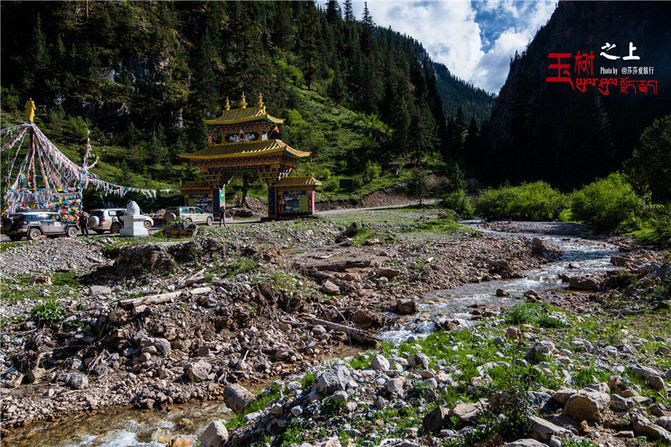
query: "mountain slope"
541, 130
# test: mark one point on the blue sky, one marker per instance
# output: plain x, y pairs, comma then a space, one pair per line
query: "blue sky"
475, 39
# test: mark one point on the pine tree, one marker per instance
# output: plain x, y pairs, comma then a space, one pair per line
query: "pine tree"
368, 34
333, 14
336, 89
310, 42
349, 12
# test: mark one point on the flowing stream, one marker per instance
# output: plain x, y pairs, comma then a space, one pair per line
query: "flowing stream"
585, 256
125, 428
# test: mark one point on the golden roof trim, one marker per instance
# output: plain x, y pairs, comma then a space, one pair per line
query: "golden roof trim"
194, 184
245, 149
235, 116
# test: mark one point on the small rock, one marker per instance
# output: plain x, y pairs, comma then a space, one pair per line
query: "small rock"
501, 293
340, 396
387, 272
332, 380
395, 386
297, 410
329, 288
181, 441
406, 307
75, 380
276, 409
419, 360
379, 363
100, 290
619, 403
513, 333
529, 442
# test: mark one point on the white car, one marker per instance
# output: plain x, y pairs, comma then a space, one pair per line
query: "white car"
109, 219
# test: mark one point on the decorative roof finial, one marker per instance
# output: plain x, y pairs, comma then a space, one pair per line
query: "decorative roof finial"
228, 105
30, 110
243, 103
260, 100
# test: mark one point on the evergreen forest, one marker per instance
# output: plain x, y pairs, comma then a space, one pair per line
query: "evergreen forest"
365, 100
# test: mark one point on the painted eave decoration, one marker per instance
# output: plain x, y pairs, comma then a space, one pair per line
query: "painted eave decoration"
299, 181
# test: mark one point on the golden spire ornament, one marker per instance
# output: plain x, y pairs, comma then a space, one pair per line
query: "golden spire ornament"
261, 105
243, 102
228, 105
30, 110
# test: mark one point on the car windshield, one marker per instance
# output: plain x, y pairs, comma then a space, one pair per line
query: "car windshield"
97, 213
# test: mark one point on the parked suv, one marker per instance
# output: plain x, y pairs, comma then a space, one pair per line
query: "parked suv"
35, 224
189, 214
109, 219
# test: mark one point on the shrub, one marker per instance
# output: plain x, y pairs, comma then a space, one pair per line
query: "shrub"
529, 201
459, 203
307, 380
606, 203
48, 312
654, 226
372, 171
650, 165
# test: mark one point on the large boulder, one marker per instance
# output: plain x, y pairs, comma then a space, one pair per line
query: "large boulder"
465, 412
434, 421
198, 371
586, 283
380, 363
332, 380
215, 435
142, 259
587, 405
237, 397
76, 381
643, 427
543, 430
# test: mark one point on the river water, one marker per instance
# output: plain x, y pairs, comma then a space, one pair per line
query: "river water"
126, 428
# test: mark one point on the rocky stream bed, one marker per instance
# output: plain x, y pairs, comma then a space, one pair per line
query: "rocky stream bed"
391, 333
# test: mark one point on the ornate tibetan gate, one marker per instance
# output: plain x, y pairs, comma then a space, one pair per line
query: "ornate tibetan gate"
239, 141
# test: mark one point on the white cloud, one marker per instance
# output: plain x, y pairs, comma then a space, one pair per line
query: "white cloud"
450, 31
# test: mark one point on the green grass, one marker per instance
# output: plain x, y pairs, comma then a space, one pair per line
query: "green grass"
18, 288
532, 313
260, 403
48, 312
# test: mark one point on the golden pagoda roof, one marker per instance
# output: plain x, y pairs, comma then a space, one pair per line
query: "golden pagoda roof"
244, 149
299, 181
195, 184
243, 115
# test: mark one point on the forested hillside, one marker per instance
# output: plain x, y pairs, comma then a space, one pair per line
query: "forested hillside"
143, 75
548, 131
